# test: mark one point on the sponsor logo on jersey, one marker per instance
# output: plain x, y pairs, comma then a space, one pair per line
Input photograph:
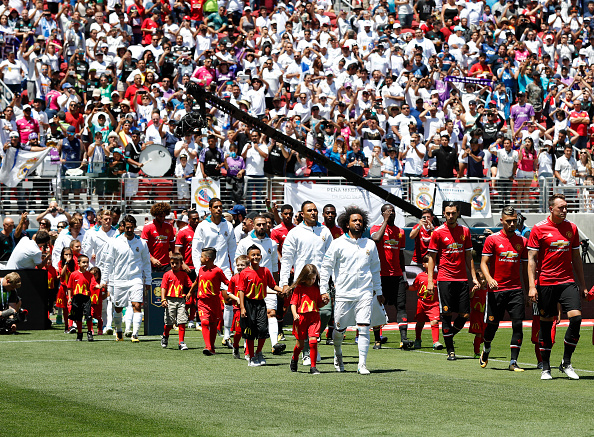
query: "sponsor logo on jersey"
206, 287
255, 291
308, 307
81, 289
455, 246
559, 246
174, 290
508, 256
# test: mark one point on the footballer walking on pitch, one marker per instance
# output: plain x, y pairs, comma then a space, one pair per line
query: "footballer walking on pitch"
354, 264
503, 261
553, 252
128, 267
451, 244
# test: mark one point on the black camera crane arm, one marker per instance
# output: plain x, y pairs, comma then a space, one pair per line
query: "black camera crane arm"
190, 122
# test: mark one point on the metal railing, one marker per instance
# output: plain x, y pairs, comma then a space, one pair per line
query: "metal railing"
6, 95
138, 194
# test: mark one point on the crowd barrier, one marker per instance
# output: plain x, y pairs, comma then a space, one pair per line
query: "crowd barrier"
138, 194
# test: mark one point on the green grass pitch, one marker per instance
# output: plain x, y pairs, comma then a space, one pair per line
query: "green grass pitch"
54, 386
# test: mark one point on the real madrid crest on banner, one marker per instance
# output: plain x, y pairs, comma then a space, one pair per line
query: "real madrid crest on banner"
202, 191
424, 199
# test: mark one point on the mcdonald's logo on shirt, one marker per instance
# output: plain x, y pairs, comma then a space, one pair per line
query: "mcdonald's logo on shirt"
256, 292
175, 290
94, 299
205, 288
81, 289
308, 307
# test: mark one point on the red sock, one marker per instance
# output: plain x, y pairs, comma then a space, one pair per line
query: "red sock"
313, 351
166, 330
182, 332
236, 338
419, 330
261, 342
296, 352
478, 339
213, 337
206, 334
192, 312
435, 332
79, 326
99, 325
90, 325
249, 348
537, 352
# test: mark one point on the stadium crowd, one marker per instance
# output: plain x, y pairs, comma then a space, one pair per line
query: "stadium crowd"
389, 89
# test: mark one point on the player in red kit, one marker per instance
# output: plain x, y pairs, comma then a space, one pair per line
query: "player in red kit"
159, 236
208, 287
66, 266
231, 296
390, 242
253, 284
451, 244
183, 243
427, 308
503, 263
306, 301
174, 290
80, 284
554, 252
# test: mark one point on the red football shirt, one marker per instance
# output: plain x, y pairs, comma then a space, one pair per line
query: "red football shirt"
420, 286
554, 244
392, 242
421, 244
52, 276
173, 283
307, 299
506, 254
210, 282
451, 246
183, 240
64, 281
254, 283
232, 288
81, 283
278, 234
335, 231
580, 128
158, 238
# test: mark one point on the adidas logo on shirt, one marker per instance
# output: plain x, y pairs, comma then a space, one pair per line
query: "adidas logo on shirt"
501, 246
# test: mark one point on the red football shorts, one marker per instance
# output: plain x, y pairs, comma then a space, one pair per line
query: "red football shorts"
308, 326
209, 309
61, 297
427, 311
536, 329
96, 310
235, 324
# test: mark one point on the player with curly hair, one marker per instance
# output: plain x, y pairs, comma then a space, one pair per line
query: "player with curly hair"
160, 237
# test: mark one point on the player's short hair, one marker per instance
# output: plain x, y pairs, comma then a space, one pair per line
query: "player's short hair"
107, 211
74, 221
14, 278
508, 210
242, 258
160, 208
82, 255
307, 202
555, 197
328, 205
191, 212
254, 247
451, 204
210, 252
95, 270
42, 237
213, 201
176, 257
425, 259
385, 206
129, 219
286, 207
72, 243
259, 216
344, 218
426, 211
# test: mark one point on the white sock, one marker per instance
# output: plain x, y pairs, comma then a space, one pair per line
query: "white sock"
117, 321
227, 321
137, 318
363, 344
273, 330
128, 317
337, 337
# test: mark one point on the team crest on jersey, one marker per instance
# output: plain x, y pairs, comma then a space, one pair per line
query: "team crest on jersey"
518, 247
166, 231
337, 325
445, 309
323, 238
462, 237
137, 250
569, 234
269, 250
491, 318
367, 252
542, 312
226, 234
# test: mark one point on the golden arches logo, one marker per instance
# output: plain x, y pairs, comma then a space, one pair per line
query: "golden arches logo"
255, 291
476, 326
174, 290
59, 301
308, 307
206, 287
94, 299
81, 289
479, 306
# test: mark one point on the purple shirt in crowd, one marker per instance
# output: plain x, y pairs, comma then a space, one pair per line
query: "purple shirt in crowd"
520, 114
235, 165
